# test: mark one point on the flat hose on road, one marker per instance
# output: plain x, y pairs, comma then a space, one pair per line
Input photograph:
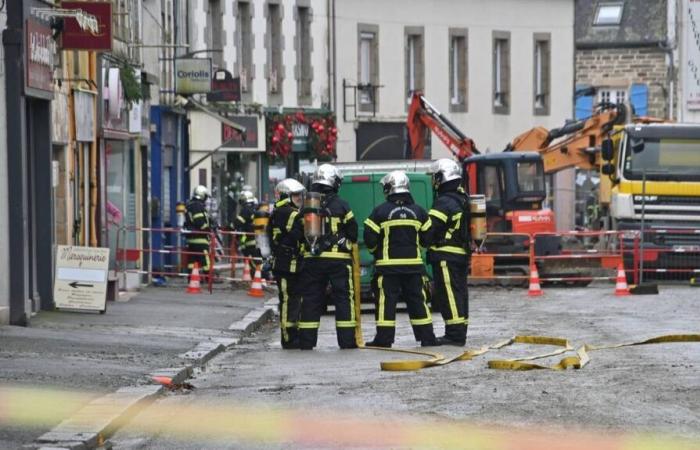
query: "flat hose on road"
434, 359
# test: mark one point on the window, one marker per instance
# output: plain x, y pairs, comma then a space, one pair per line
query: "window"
275, 72
612, 95
215, 32
245, 46
414, 61
368, 67
541, 73
530, 177
492, 185
458, 70
304, 70
608, 14
501, 72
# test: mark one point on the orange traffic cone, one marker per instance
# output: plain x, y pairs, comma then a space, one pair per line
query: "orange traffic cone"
256, 289
193, 286
535, 290
621, 288
246, 269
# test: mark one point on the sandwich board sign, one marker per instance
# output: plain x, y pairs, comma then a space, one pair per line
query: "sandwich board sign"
81, 278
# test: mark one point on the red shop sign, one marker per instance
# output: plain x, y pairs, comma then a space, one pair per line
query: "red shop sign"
39, 56
75, 38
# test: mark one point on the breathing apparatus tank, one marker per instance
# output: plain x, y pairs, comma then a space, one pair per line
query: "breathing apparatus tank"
262, 240
314, 224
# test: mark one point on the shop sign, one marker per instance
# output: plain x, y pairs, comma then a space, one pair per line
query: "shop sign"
232, 138
81, 278
300, 141
59, 118
84, 116
75, 38
39, 56
224, 87
193, 75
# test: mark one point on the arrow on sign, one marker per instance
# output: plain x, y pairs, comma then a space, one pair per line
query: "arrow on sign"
76, 285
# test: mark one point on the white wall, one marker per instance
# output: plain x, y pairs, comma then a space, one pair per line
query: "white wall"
4, 236
481, 18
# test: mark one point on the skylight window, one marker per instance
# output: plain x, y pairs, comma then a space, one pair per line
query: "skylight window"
608, 14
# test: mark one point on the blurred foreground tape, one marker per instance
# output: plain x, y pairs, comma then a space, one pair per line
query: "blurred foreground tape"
577, 361
321, 428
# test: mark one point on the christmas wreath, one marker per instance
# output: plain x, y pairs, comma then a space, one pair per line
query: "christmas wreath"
322, 137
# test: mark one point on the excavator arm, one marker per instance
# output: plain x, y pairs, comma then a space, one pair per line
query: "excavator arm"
423, 116
576, 144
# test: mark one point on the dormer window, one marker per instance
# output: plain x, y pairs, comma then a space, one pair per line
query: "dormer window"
608, 14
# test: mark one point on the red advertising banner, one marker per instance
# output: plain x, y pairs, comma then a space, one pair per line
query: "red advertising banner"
39, 57
75, 38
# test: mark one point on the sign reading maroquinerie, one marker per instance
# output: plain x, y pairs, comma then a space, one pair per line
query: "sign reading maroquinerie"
193, 76
39, 56
81, 278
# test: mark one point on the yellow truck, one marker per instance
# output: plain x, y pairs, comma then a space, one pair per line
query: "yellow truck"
654, 183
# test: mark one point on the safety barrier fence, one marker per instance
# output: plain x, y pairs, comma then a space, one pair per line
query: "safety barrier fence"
662, 254
168, 255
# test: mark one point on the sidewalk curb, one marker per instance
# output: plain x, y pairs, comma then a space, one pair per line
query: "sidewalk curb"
252, 321
91, 424
102, 417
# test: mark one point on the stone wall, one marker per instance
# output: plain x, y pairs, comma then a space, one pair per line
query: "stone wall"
621, 67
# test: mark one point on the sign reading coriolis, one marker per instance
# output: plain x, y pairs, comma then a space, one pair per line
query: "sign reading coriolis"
81, 278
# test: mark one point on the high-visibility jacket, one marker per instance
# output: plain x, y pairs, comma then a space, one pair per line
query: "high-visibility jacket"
392, 235
441, 232
285, 238
340, 226
244, 223
197, 220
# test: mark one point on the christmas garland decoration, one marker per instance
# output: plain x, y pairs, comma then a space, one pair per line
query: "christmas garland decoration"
322, 137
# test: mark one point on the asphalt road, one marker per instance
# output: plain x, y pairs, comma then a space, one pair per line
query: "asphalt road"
256, 390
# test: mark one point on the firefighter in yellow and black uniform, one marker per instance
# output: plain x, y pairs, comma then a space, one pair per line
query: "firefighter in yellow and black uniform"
329, 263
198, 223
446, 235
285, 239
244, 224
391, 234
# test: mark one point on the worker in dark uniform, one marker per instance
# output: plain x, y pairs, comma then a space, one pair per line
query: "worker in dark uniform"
244, 224
286, 239
328, 260
445, 234
391, 234
198, 223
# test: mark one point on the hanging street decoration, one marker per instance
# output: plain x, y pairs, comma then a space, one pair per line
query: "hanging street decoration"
287, 133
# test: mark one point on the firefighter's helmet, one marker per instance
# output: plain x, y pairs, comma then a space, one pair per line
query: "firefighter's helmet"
445, 170
328, 175
200, 192
246, 196
289, 186
395, 182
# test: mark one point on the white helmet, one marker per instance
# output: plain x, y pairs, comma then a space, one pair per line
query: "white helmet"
200, 192
395, 182
246, 196
289, 186
445, 170
328, 175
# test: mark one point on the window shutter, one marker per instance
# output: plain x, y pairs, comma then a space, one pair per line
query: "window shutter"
584, 104
639, 95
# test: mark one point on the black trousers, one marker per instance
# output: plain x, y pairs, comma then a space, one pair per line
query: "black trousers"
452, 298
315, 277
200, 255
290, 305
392, 288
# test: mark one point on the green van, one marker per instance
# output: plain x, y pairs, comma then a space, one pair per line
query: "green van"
364, 193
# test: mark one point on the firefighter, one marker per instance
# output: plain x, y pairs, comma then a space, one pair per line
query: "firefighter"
391, 235
328, 260
244, 224
446, 235
285, 239
198, 223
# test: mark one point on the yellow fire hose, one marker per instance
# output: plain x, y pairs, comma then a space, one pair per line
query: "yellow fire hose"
433, 359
